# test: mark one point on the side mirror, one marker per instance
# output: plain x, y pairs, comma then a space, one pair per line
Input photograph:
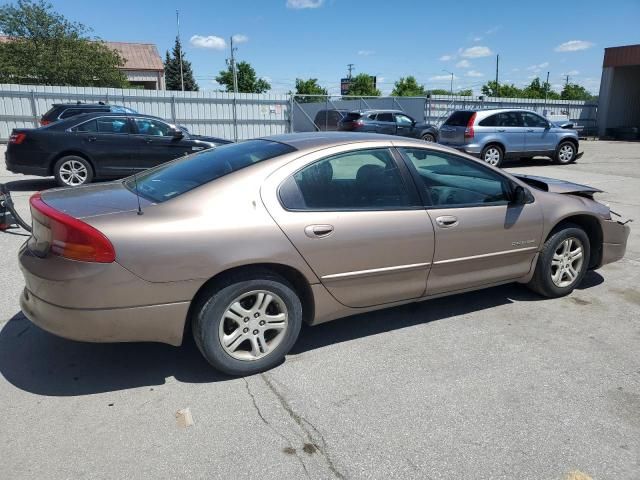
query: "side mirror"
519, 195
177, 133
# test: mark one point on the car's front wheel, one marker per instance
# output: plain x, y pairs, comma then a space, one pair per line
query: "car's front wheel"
493, 155
248, 324
72, 171
565, 153
562, 263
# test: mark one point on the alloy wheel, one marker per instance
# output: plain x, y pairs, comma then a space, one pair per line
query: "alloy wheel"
567, 261
566, 153
492, 156
253, 325
73, 173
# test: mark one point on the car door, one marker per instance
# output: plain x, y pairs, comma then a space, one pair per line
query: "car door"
157, 144
108, 143
404, 125
386, 123
538, 137
481, 238
355, 217
510, 131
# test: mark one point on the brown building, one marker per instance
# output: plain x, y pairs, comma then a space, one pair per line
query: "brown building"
143, 65
619, 99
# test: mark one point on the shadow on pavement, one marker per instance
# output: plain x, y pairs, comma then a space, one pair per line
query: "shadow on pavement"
31, 185
41, 363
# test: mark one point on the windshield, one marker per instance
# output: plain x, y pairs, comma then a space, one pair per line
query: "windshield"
175, 178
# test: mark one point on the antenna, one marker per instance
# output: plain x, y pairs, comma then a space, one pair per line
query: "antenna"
135, 181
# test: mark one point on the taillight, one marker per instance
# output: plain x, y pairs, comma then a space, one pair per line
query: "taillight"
358, 123
468, 132
44, 122
17, 138
72, 238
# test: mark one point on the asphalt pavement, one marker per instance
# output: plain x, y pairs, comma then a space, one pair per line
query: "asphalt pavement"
495, 384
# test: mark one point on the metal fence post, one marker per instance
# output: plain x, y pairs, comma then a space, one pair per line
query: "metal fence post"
291, 105
173, 108
34, 111
235, 119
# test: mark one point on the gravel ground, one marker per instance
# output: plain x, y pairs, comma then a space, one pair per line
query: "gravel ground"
492, 384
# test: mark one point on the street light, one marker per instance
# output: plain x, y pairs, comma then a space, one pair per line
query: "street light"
450, 89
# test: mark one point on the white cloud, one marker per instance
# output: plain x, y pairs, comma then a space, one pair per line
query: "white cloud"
573, 46
300, 4
477, 39
476, 52
463, 64
571, 72
365, 53
239, 38
538, 67
493, 30
445, 58
473, 73
211, 41
441, 78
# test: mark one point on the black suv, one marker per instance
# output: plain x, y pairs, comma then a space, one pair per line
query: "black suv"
99, 145
60, 111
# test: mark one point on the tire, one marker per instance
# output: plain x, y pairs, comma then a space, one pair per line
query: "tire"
73, 171
429, 137
548, 279
565, 153
493, 155
235, 322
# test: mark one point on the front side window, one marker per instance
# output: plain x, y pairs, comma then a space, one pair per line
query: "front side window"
452, 181
403, 119
154, 128
531, 120
175, 178
385, 117
359, 180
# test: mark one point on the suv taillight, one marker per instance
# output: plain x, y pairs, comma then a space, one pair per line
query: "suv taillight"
70, 237
44, 122
17, 138
357, 123
468, 132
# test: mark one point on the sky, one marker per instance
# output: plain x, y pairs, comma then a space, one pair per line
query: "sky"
289, 39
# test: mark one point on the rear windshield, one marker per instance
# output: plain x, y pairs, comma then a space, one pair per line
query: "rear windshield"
351, 116
459, 119
175, 178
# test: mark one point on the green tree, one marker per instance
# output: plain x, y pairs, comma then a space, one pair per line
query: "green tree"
539, 89
438, 91
408, 87
47, 49
362, 86
572, 91
248, 82
309, 87
465, 93
172, 70
492, 89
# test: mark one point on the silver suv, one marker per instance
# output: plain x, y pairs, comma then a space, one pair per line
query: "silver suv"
494, 135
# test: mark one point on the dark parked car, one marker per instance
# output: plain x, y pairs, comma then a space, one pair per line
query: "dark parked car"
99, 145
204, 138
327, 120
390, 122
60, 111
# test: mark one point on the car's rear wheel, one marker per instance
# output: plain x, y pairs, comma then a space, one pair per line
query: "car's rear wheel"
72, 171
429, 137
493, 155
565, 153
562, 263
248, 324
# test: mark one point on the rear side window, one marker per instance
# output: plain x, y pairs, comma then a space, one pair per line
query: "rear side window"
459, 118
385, 117
491, 121
509, 119
175, 178
359, 180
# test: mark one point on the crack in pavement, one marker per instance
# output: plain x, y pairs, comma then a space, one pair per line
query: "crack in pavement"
301, 421
273, 429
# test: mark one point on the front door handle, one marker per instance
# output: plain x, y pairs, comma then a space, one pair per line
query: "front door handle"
447, 221
530, 130
91, 138
502, 129
318, 231
147, 140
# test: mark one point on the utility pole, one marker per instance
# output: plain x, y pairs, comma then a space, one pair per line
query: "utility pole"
350, 68
234, 73
567, 81
180, 51
546, 94
497, 67
451, 86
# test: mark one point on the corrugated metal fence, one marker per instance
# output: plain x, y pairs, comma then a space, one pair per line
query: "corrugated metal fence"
436, 109
204, 113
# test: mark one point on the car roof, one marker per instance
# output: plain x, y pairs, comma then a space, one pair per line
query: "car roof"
496, 110
377, 110
87, 116
319, 140
83, 105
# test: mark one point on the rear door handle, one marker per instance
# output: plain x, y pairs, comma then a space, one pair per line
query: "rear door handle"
318, 231
91, 139
447, 221
530, 130
502, 130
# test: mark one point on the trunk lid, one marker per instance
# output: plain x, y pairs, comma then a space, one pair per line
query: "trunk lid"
452, 131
